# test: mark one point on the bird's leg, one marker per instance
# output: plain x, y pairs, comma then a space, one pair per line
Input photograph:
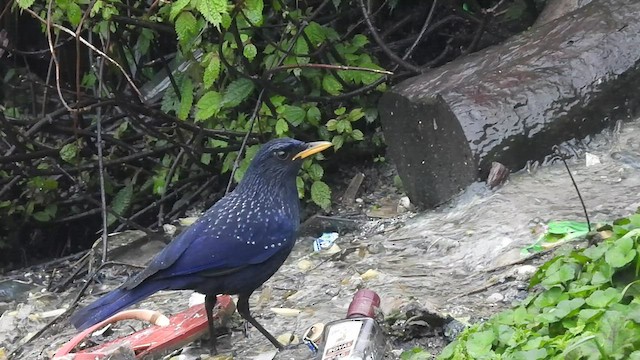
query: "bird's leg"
209, 304
243, 310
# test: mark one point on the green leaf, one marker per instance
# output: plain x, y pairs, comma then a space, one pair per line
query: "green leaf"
293, 114
343, 126
315, 172
313, 116
340, 111
120, 203
415, 354
250, 51
237, 92
212, 71
332, 125
253, 11
337, 141
69, 152
41, 216
209, 105
302, 51
562, 310
359, 40
621, 253
74, 14
479, 344
205, 158
563, 274
186, 27
212, 10
604, 298
331, 85
25, 4
177, 7
228, 162
186, 91
357, 135
281, 127
321, 194
315, 33
617, 335
51, 209
300, 186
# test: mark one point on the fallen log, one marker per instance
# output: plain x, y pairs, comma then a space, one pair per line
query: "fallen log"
511, 103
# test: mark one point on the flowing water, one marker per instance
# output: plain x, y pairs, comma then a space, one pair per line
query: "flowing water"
453, 260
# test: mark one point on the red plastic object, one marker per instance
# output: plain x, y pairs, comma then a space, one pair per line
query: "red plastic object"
183, 328
363, 304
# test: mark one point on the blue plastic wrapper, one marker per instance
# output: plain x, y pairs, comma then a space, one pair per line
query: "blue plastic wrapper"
325, 241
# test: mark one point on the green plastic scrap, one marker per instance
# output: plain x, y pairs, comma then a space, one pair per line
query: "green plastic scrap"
558, 232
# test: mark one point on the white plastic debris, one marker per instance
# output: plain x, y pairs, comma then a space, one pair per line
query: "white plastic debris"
196, 299
592, 159
325, 241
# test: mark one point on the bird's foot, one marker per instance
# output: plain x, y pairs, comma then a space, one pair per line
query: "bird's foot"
213, 349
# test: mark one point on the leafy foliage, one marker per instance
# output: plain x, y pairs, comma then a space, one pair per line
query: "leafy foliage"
588, 308
227, 61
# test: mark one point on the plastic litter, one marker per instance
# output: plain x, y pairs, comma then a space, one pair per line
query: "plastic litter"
325, 241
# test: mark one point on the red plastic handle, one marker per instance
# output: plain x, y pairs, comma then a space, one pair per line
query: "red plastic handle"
179, 330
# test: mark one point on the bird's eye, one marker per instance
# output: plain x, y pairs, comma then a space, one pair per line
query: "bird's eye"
280, 154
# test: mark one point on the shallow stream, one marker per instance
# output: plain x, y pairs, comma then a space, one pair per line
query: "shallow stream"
451, 260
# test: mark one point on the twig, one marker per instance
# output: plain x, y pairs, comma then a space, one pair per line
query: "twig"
167, 181
383, 46
54, 56
103, 196
254, 115
90, 46
425, 26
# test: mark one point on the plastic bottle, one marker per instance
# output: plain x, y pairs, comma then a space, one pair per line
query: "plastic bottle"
358, 337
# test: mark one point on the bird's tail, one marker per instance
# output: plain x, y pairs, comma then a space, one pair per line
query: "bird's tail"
112, 303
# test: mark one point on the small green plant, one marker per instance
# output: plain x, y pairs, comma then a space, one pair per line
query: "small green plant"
588, 308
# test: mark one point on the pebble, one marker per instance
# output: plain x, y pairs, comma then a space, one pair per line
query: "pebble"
169, 229
495, 298
333, 291
305, 265
375, 248
369, 274
288, 338
404, 205
524, 272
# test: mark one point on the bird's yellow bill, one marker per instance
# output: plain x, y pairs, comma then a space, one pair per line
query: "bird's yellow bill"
313, 148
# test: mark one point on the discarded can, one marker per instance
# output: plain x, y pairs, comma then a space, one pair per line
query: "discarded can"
359, 336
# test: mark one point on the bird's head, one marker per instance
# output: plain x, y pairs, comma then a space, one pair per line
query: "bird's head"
278, 161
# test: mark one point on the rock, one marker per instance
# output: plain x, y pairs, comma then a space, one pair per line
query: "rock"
369, 274
495, 298
305, 265
14, 290
524, 272
497, 175
404, 205
558, 8
511, 103
452, 329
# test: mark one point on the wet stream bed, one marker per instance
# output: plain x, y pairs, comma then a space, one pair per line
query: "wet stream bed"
462, 259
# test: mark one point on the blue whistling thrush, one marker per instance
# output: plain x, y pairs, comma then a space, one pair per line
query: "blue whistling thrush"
237, 245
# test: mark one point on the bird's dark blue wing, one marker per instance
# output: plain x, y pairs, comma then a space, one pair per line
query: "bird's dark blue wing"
228, 236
